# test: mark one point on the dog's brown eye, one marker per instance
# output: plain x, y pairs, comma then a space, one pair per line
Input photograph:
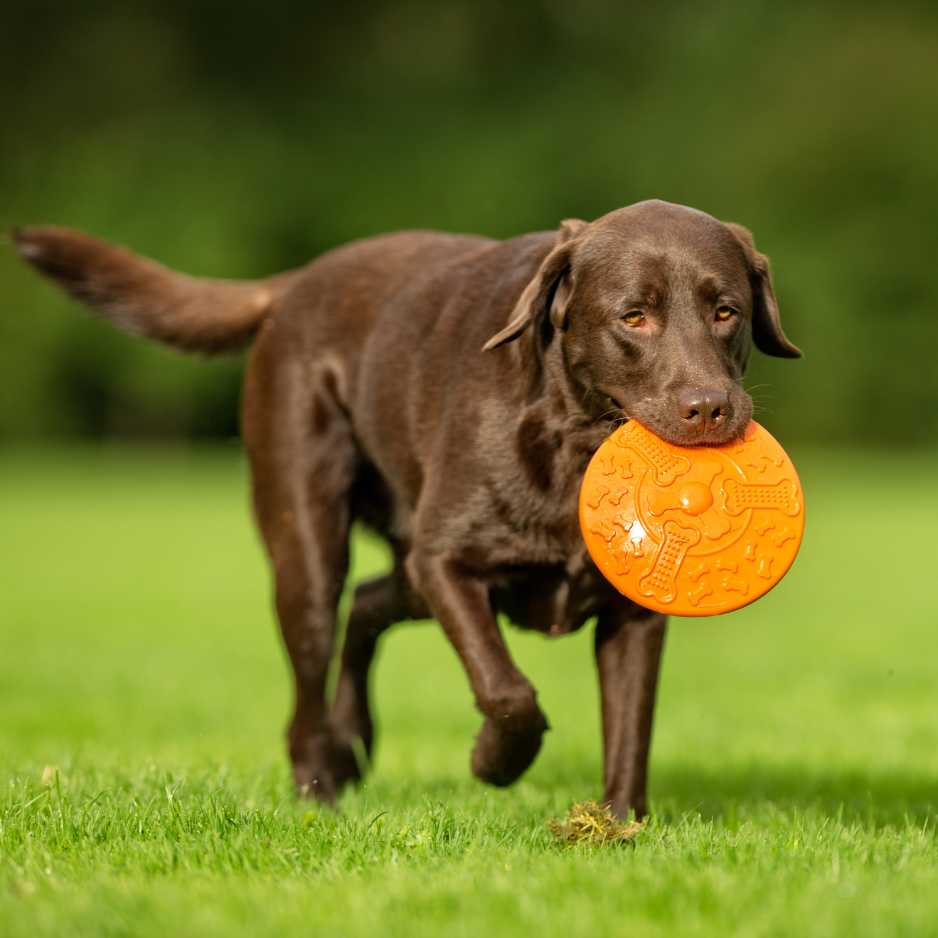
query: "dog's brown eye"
633, 317
724, 313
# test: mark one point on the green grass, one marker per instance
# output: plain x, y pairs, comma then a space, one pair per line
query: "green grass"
794, 780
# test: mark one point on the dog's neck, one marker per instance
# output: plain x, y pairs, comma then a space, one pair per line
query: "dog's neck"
582, 415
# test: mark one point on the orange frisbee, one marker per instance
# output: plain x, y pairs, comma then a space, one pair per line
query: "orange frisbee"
693, 531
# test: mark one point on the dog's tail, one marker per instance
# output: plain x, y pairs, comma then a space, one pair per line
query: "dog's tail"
145, 298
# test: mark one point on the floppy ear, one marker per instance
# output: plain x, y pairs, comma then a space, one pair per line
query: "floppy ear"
548, 293
767, 330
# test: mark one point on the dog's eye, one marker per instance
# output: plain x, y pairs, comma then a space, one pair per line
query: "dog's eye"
724, 313
634, 317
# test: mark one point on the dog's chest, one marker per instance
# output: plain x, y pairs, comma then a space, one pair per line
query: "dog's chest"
554, 599
552, 584
521, 529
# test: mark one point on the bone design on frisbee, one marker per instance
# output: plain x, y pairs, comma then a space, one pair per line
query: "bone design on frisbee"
691, 531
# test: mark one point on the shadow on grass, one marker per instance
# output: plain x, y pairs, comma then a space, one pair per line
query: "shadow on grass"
852, 795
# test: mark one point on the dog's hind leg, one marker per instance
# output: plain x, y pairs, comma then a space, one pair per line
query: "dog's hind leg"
303, 462
377, 605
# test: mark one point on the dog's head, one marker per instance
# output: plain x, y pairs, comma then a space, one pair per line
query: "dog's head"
653, 309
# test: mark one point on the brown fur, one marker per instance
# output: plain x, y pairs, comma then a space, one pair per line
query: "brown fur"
448, 391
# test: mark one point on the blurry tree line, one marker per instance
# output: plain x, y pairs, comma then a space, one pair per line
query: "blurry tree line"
237, 139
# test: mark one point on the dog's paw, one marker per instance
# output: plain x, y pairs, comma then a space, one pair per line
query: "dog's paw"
501, 756
322, 765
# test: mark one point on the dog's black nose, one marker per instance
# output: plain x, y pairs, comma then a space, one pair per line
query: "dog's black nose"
703, 409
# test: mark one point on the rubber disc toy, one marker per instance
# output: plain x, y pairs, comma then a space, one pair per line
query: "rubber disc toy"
693, 531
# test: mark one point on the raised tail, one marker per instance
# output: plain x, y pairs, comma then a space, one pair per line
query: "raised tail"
145, 298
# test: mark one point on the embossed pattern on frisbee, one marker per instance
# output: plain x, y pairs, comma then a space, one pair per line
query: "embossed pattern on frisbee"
693, 531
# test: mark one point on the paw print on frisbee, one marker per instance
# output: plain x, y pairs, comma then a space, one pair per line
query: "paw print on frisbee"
693, 531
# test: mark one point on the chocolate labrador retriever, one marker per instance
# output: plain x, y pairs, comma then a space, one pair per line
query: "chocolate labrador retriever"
448, 391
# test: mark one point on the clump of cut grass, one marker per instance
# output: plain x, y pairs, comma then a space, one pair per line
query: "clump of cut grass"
593, 823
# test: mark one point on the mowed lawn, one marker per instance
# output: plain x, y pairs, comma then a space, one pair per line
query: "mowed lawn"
143, 693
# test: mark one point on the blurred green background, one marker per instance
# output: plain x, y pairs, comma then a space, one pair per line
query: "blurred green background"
236, 139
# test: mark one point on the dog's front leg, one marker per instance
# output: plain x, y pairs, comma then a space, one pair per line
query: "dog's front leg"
629, 641
511, 735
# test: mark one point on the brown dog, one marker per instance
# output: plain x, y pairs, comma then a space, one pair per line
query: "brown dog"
448, 391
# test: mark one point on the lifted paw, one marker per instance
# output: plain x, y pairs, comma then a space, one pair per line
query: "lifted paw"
501, 755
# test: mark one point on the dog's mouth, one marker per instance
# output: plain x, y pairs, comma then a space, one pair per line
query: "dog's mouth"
715, 438
718, 436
